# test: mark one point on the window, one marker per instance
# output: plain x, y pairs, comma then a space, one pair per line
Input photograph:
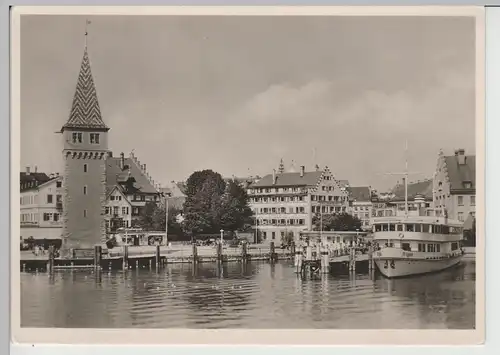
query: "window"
460, 200
58, 198
85, 168
106, 210
56, 217
46, 217
461, 216
58, 183
124, 210
273, 235
421, 247
406, 246
94, 138
77, 137
468, 185
49, 198
115, 210
454, 246
85, 190
84, 213
431, 248
473, 200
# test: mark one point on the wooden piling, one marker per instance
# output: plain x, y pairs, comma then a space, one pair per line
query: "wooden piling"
308, 253
292, 248
97, 257
158, 256
51, 259
352, 259
125, 257
272, 252
219, 251
370, 257
325, 260
244, 252
195, 253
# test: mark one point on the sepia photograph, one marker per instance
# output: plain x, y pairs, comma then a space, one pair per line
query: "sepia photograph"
272, 170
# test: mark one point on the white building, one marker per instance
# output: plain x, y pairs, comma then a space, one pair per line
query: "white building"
40, 205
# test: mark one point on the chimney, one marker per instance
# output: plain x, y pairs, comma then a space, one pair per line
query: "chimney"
461, 156
122, 161
274, 176
317, 167
110, 154
27, 170
302, 170
36, 169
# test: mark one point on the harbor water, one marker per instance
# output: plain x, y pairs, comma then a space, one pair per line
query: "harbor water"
253, 295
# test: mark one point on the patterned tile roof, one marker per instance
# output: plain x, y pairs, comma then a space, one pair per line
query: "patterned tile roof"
85, 110
459, 174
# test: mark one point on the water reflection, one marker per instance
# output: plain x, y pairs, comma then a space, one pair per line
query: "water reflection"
249, 295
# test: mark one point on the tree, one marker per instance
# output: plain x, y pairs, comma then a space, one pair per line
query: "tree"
337, 222
146, 217
212, 204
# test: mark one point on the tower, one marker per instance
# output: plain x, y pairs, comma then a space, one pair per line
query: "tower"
84, 154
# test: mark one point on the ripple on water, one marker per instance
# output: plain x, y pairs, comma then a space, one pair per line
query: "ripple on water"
256, 295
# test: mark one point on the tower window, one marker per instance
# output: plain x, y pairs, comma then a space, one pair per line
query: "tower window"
85, 190
77, 137
85, 213
85, 168
94, 138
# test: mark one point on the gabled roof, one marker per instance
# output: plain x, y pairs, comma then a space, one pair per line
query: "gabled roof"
423, 188
460, 174
32, 180
360, 193
115, 175
85, 111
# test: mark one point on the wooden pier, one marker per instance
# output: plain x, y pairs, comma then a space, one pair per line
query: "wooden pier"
308, 259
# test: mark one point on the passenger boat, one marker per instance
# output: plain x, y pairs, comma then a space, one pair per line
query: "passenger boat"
416, 242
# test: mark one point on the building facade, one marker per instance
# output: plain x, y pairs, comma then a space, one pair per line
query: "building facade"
85, 150
454, 185
361, 205
41, 206
284, 203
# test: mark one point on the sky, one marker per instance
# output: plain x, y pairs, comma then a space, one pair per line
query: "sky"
237, 94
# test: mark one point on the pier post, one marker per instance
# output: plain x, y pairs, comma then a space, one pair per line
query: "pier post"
292, 249
325, 260
370, 257
308, 252
125, 257
244, 252
352, 259
272, 255
97, 257
157, 256
195, 253
219, 251
51, 259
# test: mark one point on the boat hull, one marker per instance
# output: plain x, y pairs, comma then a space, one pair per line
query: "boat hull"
392, 268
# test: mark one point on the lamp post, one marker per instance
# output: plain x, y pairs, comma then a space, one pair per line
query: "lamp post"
166, 195
222, 236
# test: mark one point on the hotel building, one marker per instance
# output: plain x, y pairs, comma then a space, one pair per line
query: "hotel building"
285, 203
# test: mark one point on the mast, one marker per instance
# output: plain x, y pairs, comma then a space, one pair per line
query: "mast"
406, 178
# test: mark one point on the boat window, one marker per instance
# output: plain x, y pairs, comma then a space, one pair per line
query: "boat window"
418, 228
445, 230
399, 227
454, 246
385, 227
410, 227
438, 248
378, 228
392, 227
431, 248
421, 247
406, 246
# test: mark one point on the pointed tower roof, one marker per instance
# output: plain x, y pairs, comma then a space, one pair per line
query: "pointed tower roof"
85, 111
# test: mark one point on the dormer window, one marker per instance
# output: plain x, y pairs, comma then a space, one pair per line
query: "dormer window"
468, 185
94, 138
77, 137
